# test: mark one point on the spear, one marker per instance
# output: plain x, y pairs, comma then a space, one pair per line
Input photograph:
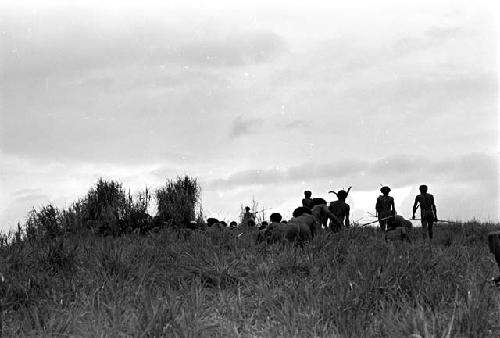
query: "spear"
382, 219
262, 210
439, 220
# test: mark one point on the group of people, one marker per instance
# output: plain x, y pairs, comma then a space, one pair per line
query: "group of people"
314, 213
386, 210
338, 211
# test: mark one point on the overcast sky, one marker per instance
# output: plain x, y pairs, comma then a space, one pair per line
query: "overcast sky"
262, 99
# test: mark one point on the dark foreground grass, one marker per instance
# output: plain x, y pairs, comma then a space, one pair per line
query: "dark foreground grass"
351, 284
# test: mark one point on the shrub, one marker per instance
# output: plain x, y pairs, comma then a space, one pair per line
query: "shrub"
136, 213
43, 224
106, 197
177, 200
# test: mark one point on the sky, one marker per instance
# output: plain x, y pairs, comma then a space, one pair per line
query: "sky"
259, 100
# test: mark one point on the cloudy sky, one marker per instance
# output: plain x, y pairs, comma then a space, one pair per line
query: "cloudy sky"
258, 99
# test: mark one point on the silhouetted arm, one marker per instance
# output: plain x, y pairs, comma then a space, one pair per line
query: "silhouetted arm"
331, 216
415, 207
434, 210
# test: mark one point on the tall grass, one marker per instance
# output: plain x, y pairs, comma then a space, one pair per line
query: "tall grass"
177, 200
213, 283
61, 276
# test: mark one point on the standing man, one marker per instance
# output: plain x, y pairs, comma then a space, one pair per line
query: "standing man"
340, 209
385, 207
248, 218
307, 201
428, 213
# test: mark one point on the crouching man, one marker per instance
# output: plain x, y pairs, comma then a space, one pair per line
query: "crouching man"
397, 229
321, 214
298, 230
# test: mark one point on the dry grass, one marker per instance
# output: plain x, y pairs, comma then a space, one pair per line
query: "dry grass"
351, 284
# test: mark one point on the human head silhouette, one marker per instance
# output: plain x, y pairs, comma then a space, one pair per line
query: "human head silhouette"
275, 217
341, 194
385, 190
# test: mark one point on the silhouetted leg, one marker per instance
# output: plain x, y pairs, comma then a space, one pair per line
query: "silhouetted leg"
334, 227
383, 224
431, 223
424, 227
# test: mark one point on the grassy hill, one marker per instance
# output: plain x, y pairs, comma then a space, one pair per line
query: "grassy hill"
214, 283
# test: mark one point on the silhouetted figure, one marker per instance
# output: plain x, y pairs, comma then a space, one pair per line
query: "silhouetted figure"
212, 221
340, 209
398, 221
263, 225
397, 228
385, 207
300, 211
494, 244
428, 213
275, 217
233, 225
302, 216
248, 218
321, 213
307, 201
297, 231
266, 233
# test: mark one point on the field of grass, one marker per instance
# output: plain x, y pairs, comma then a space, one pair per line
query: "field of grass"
213, 283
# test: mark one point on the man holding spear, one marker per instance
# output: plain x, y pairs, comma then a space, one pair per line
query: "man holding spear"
428, 213
385, 207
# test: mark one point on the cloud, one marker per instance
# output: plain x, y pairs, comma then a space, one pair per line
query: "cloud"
234, 50
103, 89
243, 126
48, 44
433, 36
444, 33
465, 186
304, 172
28, 197
297, 124
32, 198
396, 171
24, 192
248, 177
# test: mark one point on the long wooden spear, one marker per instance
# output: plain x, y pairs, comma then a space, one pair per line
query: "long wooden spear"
377, 220
438, 221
